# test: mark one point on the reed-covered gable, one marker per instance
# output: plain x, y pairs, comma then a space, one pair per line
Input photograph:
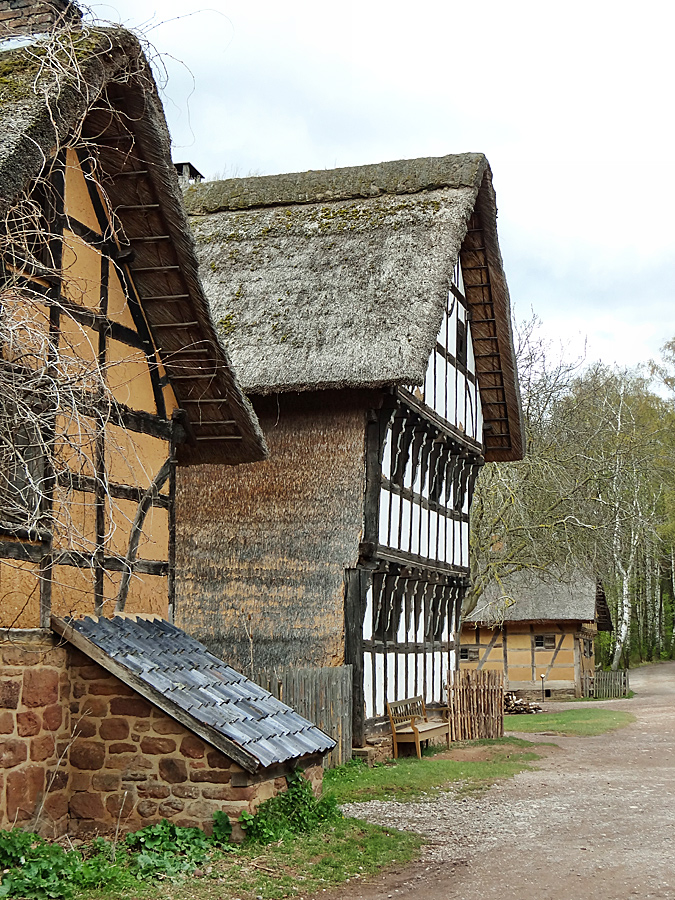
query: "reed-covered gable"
371, 297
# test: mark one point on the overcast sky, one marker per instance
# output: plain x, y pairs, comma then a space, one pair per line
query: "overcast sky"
572, 104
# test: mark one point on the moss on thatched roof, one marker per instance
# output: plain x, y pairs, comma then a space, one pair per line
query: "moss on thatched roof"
339, 279
47, 90
538, 597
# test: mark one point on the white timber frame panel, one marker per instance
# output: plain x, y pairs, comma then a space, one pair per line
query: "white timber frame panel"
429, 453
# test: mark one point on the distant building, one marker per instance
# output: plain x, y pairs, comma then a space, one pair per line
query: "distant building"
367, 315
537, 625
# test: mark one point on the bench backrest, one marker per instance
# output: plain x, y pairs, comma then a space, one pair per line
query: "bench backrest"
402, 711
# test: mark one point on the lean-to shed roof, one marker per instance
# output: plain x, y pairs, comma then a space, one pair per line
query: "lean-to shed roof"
180, 676
339, 278
105, 100
532, 597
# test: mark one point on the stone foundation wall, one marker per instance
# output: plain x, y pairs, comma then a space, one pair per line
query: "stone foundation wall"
34, 734
80, 752
130, 762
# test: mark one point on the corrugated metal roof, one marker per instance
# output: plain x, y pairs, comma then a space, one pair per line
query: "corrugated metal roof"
176, 669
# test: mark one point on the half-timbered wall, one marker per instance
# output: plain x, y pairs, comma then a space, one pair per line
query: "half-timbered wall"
92, 315
525, 651
423, 459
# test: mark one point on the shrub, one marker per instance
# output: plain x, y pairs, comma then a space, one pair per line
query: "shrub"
296, 811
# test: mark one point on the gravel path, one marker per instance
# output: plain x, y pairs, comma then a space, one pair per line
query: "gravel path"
595, 820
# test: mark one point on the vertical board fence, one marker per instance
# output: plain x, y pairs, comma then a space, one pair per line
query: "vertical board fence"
476, 705
324, 696
605, 685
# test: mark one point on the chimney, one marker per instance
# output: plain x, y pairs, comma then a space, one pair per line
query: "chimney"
19, 17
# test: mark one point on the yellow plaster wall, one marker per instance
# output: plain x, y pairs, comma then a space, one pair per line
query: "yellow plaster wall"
128, 376
118, 305
133, 458
154, 543
77, 201
82, 271
19, 594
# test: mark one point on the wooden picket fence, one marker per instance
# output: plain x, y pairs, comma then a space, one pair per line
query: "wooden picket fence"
324, 696
605, 685
476, 705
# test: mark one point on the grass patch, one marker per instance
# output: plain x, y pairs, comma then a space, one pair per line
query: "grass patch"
476, 764
581, 722
295, 867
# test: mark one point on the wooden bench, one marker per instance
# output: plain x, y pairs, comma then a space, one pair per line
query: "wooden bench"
410, 724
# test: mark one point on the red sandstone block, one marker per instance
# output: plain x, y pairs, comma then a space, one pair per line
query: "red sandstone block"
184, 822
114, 729
154, 745
119, 805
164, 724
129, 706
52, 718
40, 687
146, 808
173, 770
121, 748
41, 748
12, 753
6, 723
141, 725
155, 790
9, 694
170, 807
24, 786
15, 656
86, 805
212, 776
84, 727
96, 707
189, 791
79, 689
216, 792
218, 760
106, 781
57, 780
91, 672
110, 688
192, 747
80, 781
56, 806
87, 755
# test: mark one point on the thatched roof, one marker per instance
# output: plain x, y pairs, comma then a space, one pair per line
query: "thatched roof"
538, 597
338, 279
39, 112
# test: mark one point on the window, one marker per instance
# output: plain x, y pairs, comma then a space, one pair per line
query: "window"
544, 642
471, 654
21, 477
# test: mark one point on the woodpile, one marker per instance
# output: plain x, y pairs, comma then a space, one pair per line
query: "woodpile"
514, 704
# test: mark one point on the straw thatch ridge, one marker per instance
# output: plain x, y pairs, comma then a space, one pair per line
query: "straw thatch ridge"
32, 125
338, 279
534, 597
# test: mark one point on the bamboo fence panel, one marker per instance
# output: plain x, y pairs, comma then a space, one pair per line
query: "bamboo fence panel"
476, 705
605, 685
324, 696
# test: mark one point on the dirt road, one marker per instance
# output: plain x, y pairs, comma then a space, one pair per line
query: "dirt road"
595, 820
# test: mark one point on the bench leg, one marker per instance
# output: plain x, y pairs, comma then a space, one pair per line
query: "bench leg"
395, 745
417, 745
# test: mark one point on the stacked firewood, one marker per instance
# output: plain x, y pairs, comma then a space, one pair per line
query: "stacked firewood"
514, 704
